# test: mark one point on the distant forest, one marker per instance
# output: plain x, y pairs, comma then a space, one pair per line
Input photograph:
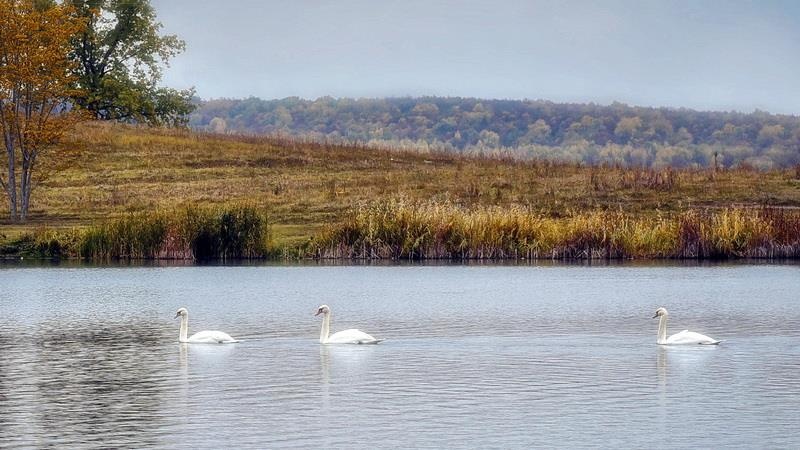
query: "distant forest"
585, 133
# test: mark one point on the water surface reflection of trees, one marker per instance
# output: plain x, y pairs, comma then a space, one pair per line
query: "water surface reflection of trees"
94, 383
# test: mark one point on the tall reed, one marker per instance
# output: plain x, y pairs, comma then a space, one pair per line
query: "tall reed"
232, 232
400, 229
137, 236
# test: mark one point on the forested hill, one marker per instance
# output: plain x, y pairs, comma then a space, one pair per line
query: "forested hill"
589, 133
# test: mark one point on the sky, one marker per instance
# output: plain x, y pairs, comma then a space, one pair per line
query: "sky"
701, 54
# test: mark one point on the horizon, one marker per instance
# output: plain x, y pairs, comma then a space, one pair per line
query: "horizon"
738, 56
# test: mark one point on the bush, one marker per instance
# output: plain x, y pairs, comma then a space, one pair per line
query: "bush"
231, 232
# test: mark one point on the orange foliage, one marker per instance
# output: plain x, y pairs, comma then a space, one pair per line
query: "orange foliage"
35, 87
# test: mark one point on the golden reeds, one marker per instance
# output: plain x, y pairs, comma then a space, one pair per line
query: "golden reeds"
403, 229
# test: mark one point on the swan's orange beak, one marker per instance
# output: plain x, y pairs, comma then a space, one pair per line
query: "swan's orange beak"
319, 311
176, 315
655, 316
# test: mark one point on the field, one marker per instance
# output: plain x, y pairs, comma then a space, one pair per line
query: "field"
110, 171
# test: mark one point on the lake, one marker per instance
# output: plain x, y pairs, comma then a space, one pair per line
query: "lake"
498, 356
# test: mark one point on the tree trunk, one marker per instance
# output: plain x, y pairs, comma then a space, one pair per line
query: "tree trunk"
11, 185
25, 186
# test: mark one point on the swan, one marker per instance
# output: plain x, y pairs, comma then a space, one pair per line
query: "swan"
202, 337
351, 336
684, 337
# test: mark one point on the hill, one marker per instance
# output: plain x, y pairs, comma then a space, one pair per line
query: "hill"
526, 129
306, 187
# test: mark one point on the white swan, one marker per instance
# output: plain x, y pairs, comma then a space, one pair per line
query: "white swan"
351, 336
684, 337
202, 337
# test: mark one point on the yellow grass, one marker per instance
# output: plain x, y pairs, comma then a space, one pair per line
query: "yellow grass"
115, 170
433, 230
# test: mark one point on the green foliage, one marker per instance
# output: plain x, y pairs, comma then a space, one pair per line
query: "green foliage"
588, 134
234, 232
120, 54
42, 243
136, 236
226, 233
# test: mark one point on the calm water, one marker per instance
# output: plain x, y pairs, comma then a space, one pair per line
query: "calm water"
498, 357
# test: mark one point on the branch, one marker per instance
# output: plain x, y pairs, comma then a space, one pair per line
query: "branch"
86, 55
117, 34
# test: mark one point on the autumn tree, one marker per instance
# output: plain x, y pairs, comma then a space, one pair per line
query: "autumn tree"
538, 133
628, 128
769, 135
120, 54
35, 89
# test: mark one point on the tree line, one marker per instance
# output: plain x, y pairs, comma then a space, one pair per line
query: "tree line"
530, 129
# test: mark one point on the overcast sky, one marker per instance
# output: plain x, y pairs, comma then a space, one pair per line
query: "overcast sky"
720, 55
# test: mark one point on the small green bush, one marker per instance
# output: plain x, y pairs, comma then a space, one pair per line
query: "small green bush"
232, 232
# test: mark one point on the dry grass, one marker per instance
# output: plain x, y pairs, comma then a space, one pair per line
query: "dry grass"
431, 230
117, 170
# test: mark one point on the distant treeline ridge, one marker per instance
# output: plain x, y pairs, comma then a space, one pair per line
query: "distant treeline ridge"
585, 133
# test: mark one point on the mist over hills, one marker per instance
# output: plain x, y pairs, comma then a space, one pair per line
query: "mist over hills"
528, 129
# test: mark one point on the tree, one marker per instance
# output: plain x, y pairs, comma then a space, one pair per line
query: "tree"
119, 54
769, 135
217, 125
662, 128
538, 133
35, 90
588, 129
728, 135
628, 128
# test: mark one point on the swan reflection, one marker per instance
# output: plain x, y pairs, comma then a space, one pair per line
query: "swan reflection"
677, 361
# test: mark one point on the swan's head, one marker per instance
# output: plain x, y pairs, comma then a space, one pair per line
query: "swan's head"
660, 312
324, 309
183, 312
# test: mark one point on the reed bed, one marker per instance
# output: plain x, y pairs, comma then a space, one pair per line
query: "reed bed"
401, 229
42, 243
230, 232
233, 232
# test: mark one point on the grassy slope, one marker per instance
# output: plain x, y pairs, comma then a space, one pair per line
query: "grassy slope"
118, 169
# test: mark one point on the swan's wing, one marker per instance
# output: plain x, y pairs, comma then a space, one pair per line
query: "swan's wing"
211, 337
351, 336
690, 337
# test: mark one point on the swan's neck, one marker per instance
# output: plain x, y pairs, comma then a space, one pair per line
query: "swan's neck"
184, 328
326, 329
662, 330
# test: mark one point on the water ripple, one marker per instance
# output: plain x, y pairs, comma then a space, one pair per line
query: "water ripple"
494, 357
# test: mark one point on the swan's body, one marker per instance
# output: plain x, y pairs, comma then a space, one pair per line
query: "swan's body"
351, 336
685, 337
201, 337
